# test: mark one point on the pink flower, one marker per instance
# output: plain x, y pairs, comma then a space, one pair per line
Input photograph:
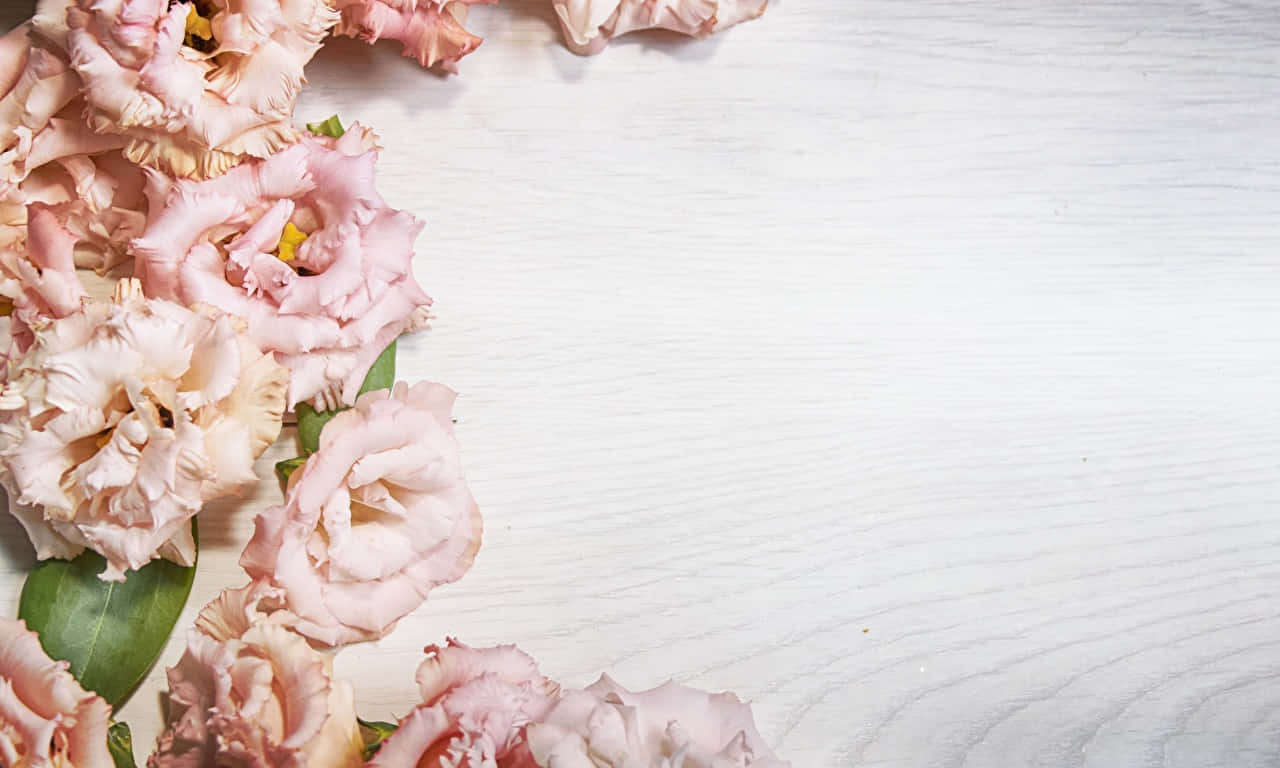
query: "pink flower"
589, 25
430, 30
194, 88
607, 726
375, 519
46, 719
49, 156
249, 692
475, 705
328, 306
122, 419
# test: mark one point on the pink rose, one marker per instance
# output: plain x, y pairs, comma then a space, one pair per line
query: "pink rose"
249, 692
607, 726
46, 719
193, 93
122, 419
300, 245
475, 705
589, 25
430, 30
373, 520
49, 156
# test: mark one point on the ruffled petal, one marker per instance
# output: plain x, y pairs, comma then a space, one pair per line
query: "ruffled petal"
608, 726
123, 418
374, 520
476, 704
343, 295
46, 718
194, 112
248, 691
589, 25
430, 31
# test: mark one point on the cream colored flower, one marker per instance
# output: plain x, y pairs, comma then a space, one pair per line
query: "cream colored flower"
374, 520
193, 87
121, 420
49, 156
589, 25
250, 693
46, 719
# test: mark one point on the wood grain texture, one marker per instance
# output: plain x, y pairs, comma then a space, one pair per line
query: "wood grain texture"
909, 368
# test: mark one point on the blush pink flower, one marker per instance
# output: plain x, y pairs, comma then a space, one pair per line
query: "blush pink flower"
123, 418
589, 25
475, 705
373, 520
193, 87
431, 31
249, 692
46, 719
49, 156
607, 726
326, 307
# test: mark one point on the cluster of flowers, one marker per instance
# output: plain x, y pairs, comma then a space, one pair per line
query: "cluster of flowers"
253, 267
248, 692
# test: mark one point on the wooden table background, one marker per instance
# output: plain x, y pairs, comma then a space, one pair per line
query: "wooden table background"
910, 368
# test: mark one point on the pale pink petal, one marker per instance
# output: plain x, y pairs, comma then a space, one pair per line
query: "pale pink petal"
430, 31
349, 290
248, 691
49, 156
46, 718
589, 25
476, 704
123, 418
374, 520
14, 46
607, 725
194, 111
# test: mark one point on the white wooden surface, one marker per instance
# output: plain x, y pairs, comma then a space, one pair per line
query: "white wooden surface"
909, 367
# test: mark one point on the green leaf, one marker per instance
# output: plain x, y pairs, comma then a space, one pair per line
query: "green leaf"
331, 127
382, 374
120, 744
287, 467
110, 632
373, 733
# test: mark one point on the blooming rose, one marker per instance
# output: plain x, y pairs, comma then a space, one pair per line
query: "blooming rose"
123, 418
193, 87
249, 692
300, 245
49, 156
430, 30
373, 520
46, 718
589, 25
475, 705
607, 726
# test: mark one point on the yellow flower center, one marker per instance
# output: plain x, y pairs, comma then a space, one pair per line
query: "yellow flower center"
290, 239
198, 27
